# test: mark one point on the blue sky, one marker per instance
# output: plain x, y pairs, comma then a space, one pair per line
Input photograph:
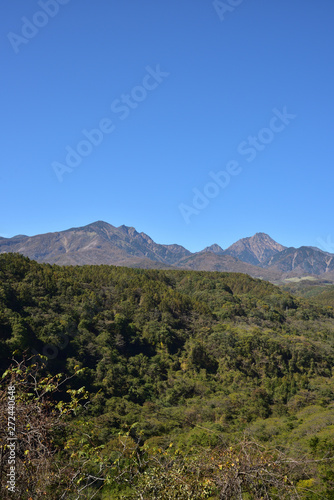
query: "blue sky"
178, 90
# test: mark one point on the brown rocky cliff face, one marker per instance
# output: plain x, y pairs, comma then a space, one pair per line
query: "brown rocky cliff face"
256, 250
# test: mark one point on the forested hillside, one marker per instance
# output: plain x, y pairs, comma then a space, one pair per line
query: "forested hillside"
199, 384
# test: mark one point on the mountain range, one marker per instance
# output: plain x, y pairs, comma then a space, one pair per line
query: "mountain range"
101, 243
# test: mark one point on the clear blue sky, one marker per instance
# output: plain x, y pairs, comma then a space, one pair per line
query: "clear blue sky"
221, 76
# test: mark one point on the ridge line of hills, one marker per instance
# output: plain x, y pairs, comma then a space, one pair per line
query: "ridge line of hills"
101, 243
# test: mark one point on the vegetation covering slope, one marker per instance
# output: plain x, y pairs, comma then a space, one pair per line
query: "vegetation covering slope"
202, 384
318, 291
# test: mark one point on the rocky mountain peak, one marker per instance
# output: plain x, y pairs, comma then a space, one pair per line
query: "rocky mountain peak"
256, 250
214, 249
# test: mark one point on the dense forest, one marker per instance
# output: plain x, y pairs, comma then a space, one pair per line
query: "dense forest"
164, 384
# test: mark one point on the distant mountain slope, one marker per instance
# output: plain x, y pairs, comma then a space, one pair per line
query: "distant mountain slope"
101, 243
256, 250
96, 243
214, 249
208, 261
304, 259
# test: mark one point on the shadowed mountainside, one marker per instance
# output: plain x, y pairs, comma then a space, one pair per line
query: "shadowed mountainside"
304, 259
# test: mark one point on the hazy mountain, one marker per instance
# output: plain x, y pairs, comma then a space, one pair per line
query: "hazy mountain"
214, 249
256, 250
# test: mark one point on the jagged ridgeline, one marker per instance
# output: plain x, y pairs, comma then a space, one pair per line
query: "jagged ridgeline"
198, 381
